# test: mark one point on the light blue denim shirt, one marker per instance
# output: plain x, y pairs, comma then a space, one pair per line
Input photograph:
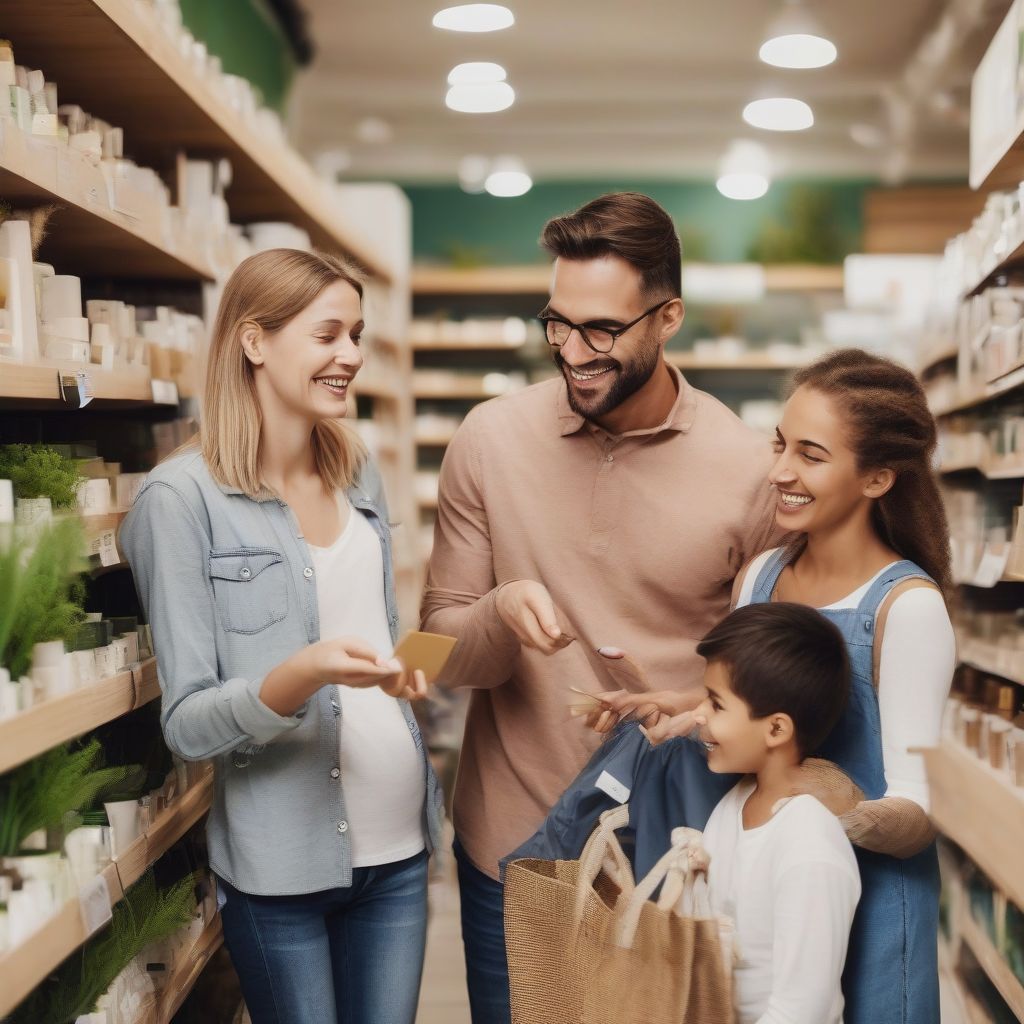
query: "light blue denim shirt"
227, 583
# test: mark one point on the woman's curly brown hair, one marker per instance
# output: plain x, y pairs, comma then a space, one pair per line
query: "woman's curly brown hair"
890, 426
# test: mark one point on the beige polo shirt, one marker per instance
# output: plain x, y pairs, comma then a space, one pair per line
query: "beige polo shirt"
637, 536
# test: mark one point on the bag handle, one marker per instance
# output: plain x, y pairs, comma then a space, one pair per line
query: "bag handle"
674, 868
603, 851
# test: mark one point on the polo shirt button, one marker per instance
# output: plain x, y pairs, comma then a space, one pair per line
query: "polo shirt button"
609, 458
342, 827
307, 572
335, 773
245, 573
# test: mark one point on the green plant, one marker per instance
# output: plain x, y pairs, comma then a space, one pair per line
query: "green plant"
145, 915
38, 794
39, 472
808, 234
41, 592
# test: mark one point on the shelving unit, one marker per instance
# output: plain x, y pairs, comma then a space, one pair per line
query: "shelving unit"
980, 812
993, 964
35, 731
39, 383
184, 978
25, 966
93, 47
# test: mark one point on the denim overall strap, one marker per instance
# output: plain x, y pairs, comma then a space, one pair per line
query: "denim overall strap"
768, 577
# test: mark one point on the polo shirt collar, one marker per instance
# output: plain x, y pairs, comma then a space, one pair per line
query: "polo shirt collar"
680, 417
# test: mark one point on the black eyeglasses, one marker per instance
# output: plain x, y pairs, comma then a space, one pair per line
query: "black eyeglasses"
597, 339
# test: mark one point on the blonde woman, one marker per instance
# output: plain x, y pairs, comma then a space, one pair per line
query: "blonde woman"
262, 558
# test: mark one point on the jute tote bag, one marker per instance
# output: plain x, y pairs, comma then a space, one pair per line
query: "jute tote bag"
587, 946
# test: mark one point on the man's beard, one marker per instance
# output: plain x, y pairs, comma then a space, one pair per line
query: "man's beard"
629, 379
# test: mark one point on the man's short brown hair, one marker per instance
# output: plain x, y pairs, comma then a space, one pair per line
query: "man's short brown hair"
629, 225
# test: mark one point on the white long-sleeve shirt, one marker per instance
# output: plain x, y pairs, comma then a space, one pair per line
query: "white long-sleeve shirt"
791, 886
916, 666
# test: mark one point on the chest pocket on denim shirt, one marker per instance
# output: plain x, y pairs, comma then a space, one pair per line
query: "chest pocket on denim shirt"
250, 586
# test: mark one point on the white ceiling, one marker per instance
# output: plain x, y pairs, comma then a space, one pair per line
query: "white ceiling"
647, 88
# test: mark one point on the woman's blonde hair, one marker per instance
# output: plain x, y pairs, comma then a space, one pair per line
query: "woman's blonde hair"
267, 289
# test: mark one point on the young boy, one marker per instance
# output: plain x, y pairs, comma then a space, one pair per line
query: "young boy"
777, 679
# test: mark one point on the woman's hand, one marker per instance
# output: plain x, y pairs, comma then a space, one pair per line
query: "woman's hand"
349, 661
668, 727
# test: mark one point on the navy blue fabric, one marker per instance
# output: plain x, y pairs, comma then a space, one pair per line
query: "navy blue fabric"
670, 786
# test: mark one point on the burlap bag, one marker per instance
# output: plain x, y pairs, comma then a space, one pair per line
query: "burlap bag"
587, 946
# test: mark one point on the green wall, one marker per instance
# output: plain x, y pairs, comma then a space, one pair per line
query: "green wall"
248, 38
451, 226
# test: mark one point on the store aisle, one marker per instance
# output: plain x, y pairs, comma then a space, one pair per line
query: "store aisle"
443, 999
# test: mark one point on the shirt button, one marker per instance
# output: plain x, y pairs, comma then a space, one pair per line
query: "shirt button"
335, 773
245, 573
342, 827
307, 572
609, 458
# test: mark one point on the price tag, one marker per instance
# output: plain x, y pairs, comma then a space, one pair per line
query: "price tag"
607, 783
109, 555
165, 392
94, 901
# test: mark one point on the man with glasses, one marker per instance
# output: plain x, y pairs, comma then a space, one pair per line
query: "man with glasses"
611, 507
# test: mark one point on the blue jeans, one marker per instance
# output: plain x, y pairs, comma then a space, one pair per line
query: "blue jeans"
351, 956
482, 901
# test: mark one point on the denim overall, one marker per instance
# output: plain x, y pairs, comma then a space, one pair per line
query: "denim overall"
891, 974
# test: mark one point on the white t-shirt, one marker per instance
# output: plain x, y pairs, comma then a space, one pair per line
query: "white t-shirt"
915, 670
791, 885
381, 768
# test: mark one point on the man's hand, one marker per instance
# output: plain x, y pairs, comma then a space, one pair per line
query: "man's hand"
526, 608
826, 782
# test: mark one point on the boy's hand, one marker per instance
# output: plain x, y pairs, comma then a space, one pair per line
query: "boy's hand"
827, 783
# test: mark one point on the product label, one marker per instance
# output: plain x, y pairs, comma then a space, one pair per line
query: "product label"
105, 545
94, 901
992, 566
609, 784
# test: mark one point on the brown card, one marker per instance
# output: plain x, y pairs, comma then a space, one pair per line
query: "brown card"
426, 651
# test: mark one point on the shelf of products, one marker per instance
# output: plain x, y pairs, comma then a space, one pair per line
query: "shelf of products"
980, 811
97, 45
41, 383
92, 237
747, 361
442, 384
32, 732
184, 978
993, 964
25, 966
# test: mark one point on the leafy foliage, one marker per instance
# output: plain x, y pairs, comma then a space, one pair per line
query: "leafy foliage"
38, 472
39, 793
41, 592
809, 234
145, 915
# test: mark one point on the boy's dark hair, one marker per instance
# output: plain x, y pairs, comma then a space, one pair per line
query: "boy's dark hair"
629, 225
785, 658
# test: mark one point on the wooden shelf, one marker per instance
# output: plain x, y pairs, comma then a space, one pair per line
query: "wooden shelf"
86, 237
37, 382
444, 385
752, 361
993, 964
434, 438
375, 387
91, 48
37, 730
468, 346
936, 358
980, 811
25, 966
535, 280
1009, 381
989, 471
184, 978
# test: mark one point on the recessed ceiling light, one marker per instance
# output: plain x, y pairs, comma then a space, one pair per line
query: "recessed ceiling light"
779, 114
508, 178
480, 97
475, 72
508, 184
474, 18
744, 172
795, 40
